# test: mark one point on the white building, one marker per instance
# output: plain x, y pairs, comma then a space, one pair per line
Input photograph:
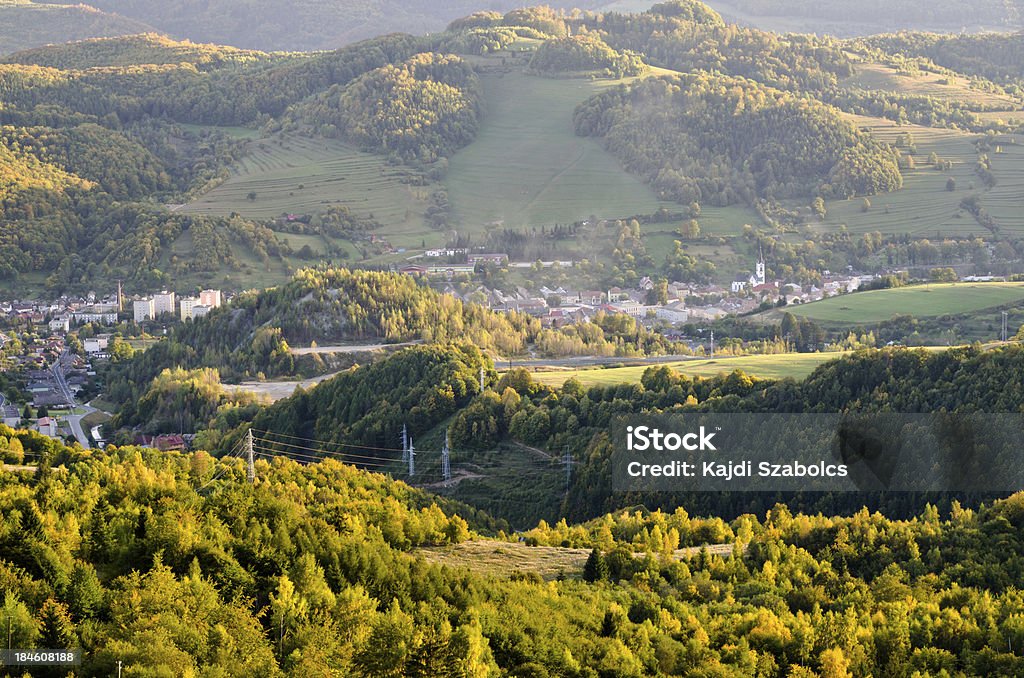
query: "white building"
210, 298
163, 303
95, 345
61, 324
187, 304
144, 309
200, 311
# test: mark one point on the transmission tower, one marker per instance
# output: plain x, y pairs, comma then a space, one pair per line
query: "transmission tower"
250, 473
412, 459
446, 462
405, 445
567, 459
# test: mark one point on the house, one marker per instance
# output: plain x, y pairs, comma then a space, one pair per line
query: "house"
48, 427
60, 324
632, 308
645, 284
186, 306
169, 443
673, 313
211, 298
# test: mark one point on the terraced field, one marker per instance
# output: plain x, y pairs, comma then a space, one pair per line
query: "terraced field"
923, 207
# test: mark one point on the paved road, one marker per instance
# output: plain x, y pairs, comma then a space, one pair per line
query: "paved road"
74, 420
352, 348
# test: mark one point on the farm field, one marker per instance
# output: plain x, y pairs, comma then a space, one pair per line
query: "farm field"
883, 78
528, 168
503, 559
291, 174
921, 301
923, 207
795, 365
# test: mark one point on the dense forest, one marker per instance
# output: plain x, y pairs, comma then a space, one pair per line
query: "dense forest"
583, 54
721, 141
441, 396
421, 110
172, 562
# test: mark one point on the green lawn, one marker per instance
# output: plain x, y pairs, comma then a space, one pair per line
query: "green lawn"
921, 301
796, 365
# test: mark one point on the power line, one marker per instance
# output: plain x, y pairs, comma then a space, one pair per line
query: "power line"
328, 442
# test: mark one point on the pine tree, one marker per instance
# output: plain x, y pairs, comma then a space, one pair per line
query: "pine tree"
596, 568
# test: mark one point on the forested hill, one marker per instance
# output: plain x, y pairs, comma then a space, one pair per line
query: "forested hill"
134, 50
433, 391
173, 564
304, 24
25, 24
105, 140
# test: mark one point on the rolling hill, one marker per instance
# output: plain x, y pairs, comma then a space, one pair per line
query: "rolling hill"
25, 24
305, 24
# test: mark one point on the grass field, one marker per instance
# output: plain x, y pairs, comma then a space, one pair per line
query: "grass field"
796, 365
883, 78
304, 175
503, 559
921, 301
527, 167
923, 207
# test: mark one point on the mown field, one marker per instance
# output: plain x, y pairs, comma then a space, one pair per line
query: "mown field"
294, 174
921, 301
880, 77
528, 168
923, 207
503, 559
795, 365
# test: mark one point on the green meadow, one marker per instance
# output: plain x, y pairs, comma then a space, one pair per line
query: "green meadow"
920, 301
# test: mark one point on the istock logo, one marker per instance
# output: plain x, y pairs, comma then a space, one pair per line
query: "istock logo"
644, 438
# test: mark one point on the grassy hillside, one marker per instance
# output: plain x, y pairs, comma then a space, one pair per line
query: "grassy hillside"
919, 300
146, 48
864, 18
528, 168
795, 365
25, 24
924, 207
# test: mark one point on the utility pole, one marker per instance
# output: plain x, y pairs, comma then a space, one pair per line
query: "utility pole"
118, 668
405, 444
412, 459
1005, 314
481, 378
712, 343
250, 473
446, 464
568, 468
120, 297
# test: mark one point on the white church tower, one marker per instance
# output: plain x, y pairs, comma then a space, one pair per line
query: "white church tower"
759, 274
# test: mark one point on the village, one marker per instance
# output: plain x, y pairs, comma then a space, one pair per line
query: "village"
661, 304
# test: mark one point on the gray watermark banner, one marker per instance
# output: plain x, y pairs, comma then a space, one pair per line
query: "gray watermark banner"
939, 452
